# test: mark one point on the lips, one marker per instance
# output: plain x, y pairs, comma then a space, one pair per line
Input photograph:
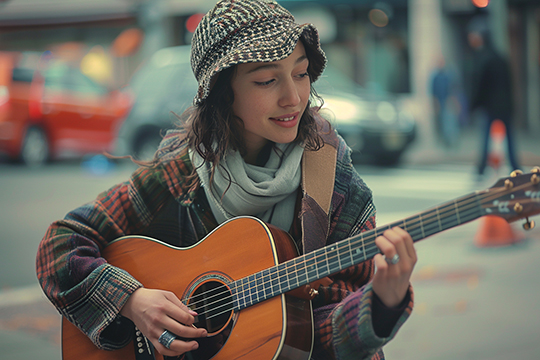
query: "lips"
285, 118
287, 121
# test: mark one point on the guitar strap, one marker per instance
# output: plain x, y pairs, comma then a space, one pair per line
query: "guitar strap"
318, 176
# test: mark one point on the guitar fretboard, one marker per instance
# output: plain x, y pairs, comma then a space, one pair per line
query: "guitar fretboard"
331, 259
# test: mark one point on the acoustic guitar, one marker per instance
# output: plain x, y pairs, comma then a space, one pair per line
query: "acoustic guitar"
241, 277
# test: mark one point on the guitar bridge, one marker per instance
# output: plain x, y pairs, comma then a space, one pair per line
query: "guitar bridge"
144, 350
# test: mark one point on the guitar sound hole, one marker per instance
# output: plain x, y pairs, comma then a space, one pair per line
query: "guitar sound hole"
212, 300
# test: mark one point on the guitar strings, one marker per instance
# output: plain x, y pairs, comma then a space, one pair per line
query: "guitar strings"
286, 268
413, 228
372, 247
337, 245
361, 236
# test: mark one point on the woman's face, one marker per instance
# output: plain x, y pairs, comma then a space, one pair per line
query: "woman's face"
270, 98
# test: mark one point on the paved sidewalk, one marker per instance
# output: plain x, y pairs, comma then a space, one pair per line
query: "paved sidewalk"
29, 325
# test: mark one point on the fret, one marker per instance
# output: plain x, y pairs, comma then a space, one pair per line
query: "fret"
309, 269
300, 270
430, 226
235, 294
351, 251
457, 212
421, 225
267, 285
364, 249
275, 284
258, 285
439, 218
326, 270
294, 277
333, 263
252, 289
336, 251
245, 292
312, 270
359, 252
283, 277
344, 254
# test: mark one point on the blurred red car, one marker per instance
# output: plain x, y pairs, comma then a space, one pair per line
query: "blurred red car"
51, 110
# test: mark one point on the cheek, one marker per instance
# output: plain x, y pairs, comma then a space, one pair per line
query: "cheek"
305, 91
241, 106
250, 104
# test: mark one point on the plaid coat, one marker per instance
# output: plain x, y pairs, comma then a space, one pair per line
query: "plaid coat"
89, 292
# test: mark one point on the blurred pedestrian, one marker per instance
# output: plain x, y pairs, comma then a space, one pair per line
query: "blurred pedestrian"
239, 152
444, 92
491, 89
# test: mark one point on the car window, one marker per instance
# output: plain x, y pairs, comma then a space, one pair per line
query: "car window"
154, 83
22, 74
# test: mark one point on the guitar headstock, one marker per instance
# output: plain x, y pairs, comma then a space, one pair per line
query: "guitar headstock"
515, 197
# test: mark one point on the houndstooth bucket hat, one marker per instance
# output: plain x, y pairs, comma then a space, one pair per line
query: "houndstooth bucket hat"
243, 31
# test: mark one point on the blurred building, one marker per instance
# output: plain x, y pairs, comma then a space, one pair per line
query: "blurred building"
384, 45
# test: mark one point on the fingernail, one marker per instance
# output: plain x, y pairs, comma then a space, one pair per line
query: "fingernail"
195, 346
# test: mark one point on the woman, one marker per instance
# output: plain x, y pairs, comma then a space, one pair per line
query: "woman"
238, 152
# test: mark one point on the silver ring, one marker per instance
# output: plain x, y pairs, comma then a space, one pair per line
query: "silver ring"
166, 339
394, 260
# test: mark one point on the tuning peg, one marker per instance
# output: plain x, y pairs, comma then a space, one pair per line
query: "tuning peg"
535, 169
529, 224
516, 173
535, 179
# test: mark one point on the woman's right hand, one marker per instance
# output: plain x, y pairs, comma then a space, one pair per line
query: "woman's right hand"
154, 311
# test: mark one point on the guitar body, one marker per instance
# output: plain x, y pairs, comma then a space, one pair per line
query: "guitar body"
278, 328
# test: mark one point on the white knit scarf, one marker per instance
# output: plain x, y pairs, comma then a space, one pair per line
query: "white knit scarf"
268, 193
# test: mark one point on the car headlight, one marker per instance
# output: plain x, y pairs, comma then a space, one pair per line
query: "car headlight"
346, 112
386, 112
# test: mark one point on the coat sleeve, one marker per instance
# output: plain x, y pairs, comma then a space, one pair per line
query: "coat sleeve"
79, 282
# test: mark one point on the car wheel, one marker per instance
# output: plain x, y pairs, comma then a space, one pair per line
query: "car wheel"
390, 158
147, 146
35, 148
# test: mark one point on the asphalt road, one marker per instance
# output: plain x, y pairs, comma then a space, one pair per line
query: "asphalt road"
471, 302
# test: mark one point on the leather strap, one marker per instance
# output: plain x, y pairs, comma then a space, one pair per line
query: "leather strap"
319, 168
318, 174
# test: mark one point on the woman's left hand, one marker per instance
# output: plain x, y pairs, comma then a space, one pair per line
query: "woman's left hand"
391, 281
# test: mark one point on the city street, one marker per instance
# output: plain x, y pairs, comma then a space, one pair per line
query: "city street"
439, 97
471, 302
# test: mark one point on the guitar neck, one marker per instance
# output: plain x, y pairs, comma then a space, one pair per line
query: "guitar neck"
333, 258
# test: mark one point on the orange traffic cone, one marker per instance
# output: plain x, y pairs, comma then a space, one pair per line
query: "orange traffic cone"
496, 231
497, 132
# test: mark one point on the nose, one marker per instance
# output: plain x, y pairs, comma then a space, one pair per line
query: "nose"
290, 94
